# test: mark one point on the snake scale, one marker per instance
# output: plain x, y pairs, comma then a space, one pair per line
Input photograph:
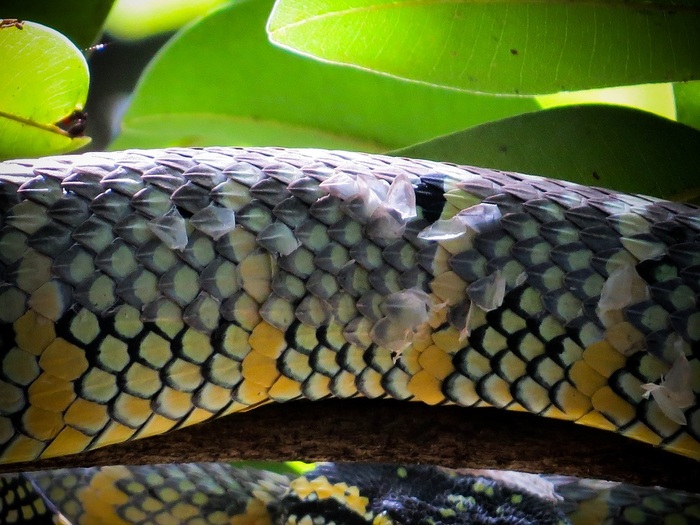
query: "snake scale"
143, 291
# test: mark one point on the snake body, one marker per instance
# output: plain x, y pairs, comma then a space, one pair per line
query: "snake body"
148, 290
349, 494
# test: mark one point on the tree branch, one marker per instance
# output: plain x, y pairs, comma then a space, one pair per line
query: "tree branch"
390, 431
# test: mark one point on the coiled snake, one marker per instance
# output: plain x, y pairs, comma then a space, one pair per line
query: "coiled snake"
147, 290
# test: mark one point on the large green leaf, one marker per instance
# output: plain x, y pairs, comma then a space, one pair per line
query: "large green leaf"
500, 46
43, 79
222, 82
688, 103
615, 147
79, 20
134, 19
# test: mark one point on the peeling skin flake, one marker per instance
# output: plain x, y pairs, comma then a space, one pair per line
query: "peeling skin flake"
171, 229
477, 219
214, 220
488, 292
386, 208
674, 393
406, 313
341, 185
623, 287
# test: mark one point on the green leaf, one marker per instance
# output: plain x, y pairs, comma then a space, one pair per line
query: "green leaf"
221, 82
503, 46
614, 147
79, 20
688, 103
134, 19
43, 79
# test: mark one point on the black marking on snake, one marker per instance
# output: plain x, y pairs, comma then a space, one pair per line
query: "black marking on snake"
430, 196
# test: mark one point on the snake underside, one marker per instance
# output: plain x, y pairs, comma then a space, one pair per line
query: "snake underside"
148, 290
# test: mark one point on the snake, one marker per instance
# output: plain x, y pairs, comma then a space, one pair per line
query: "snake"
148, 290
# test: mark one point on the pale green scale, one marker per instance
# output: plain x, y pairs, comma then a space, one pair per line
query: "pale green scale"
550, 328
33, 271
693, 326
629, 224
155, 350
11, 398
631, 386
199, 251
13, 302
295, 365
237, 244
312, 234
655, 317
532, 395
325, 361
101, 293
113, 354
24, 366
313, 311
367, 254
255, 217
568, 307
242, 309
682, 297
202, 313
571, 352
141, 380
225, 372
511, 367
180, 284
85, 326
474, 365
152, 201
288, 286
116, 260
220, 278
344, 309
530, 346
183, 375
27, 216
98, 385
548, 372
494, 342
619, 258
196, 346
511, 322
142, 287
94, 234
643, 248
127, 321
278, 312
512, 271
331, 258
322, 284
75, 265
589, 333
13, 245
231, 194
235, 342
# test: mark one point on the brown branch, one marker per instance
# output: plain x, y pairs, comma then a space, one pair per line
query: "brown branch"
389, 431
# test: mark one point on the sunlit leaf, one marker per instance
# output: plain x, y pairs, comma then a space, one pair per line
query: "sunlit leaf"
609, 146
222, 82
79, 20
654, 98
134, 19
505, 46
688, 103
43, 79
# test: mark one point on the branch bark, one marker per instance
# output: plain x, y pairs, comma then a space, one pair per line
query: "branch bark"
390, 431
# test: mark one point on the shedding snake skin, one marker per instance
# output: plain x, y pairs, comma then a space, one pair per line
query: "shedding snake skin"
143, 291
